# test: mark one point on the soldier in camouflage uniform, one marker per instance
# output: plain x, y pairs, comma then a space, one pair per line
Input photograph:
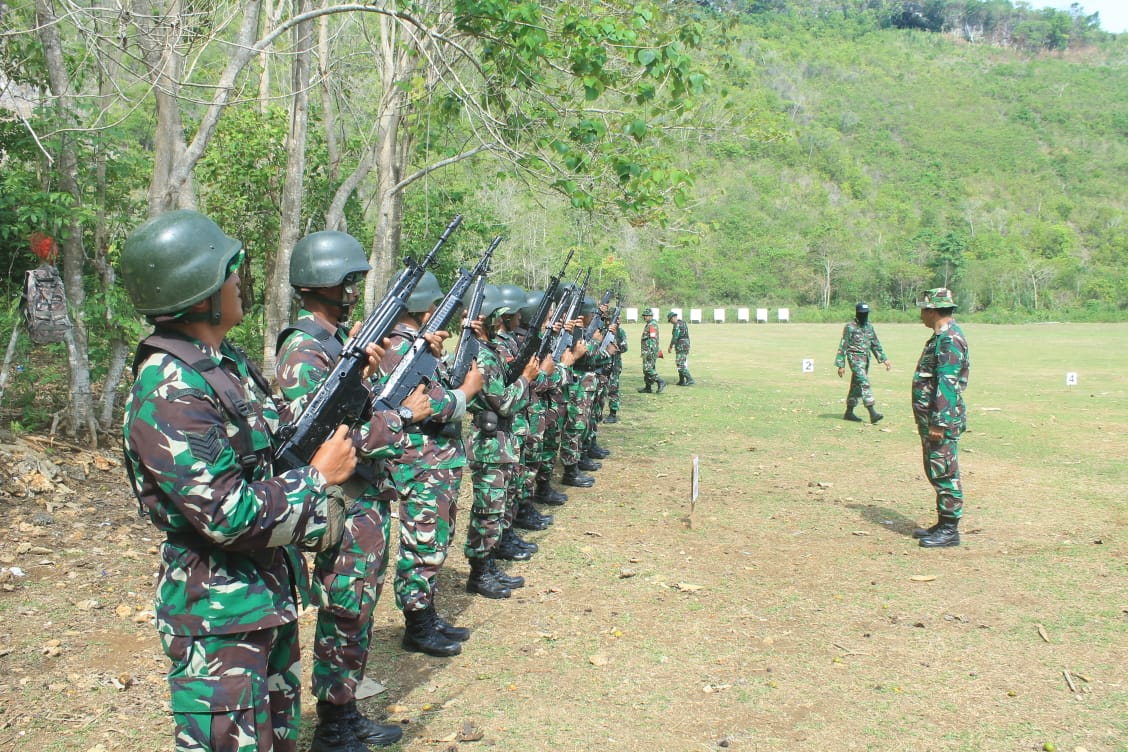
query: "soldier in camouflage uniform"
679, 344
599, 367
651, 351
579, 391
613, 384
493, 451
858, 341
546, 446
507, 339
425, 482
939, 382
325, 271
198, 442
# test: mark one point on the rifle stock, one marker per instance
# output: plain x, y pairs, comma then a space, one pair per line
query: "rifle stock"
343, 399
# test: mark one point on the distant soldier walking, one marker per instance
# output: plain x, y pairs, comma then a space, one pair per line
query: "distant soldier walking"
650, 353
679, 344
858, 341
941, 416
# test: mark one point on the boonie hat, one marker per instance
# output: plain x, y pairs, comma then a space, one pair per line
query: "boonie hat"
939, 297
647, 311
671, 315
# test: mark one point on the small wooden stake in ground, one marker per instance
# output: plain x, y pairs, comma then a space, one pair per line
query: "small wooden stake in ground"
693, 490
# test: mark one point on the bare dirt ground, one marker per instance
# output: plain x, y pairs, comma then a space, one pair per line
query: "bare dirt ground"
794, 614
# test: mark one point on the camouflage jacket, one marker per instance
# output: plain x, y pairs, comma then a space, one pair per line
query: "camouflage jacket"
500, 446
425, 449
507, 345
301, 367
227, 564
939, 382
650, 345
857, 343
679, 338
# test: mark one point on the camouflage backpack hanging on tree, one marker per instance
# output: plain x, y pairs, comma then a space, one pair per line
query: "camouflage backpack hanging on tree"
45, 298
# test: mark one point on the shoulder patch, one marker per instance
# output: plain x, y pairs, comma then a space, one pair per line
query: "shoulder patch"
208, 446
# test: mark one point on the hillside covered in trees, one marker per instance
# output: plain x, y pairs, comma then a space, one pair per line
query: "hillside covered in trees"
866, 161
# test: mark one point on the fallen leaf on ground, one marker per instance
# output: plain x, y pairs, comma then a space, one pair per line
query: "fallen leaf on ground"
922, 578
598, 660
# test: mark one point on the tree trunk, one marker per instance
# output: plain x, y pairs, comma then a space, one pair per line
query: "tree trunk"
278, 289
158, 39
81, 414
328, 110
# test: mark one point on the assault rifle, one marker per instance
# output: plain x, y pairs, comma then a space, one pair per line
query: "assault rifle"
468, 343
610, 337
419, 363
535, 337
596, 322
343, 397
566, 338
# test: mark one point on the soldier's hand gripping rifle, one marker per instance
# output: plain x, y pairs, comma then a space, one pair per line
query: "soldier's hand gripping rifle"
567, 338
419, 363
467, 351
535, 336
343, 397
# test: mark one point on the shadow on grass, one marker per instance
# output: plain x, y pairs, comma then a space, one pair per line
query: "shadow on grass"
885, 518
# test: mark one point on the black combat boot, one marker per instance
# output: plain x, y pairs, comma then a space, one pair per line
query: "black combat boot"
529, 518
646, 390
507, 580
334, 732
546, 494
874, 414
947, 534
573, 477
681, 379
612, 417
420, 635
661, 385
588, 465
924, 532
483, 582
367, 730
849, 415
448, 630
509, 549
595, 451
689, 379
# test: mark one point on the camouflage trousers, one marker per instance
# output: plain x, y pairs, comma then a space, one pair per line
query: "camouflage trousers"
428, 505
681, 359
613, 388
487, 514
942, 466
554, 415
860, 389
237, 692
650, 369
347, 582
578, 414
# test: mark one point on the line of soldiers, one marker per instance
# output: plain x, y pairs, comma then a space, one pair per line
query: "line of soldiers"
200, 433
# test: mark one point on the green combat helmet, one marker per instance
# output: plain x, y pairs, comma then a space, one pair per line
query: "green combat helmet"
425, 294
492, 302
174, 261
531, 304
324, 259
327, 259
587, 307
512, 297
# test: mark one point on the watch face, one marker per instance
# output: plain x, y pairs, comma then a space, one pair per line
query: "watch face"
405, 414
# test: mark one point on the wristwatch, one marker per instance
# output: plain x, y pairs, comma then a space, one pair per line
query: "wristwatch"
405, 413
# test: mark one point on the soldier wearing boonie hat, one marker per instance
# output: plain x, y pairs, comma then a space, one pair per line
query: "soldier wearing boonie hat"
941, 416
